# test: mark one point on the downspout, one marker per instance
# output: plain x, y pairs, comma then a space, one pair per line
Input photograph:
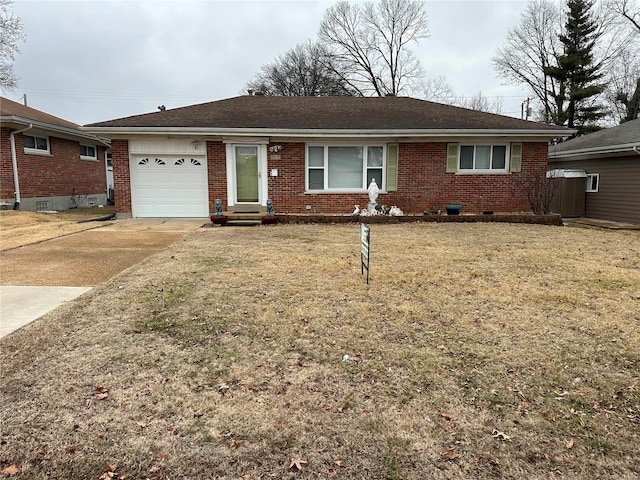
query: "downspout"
106, 175
14, 164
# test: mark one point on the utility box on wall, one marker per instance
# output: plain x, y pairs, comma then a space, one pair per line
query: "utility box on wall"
570, 196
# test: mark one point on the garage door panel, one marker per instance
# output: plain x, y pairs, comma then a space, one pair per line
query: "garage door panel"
170, 186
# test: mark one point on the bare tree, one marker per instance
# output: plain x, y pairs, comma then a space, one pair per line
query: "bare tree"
481, 103
623, 94
436, 90
369, 44
530, 48
11, 34
305, 70
628, 9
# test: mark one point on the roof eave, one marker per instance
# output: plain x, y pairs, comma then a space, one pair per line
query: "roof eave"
6, 119
586, 152
333, 133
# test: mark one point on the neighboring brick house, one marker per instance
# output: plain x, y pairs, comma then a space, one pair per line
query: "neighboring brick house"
58, 166
319, 154
611, 161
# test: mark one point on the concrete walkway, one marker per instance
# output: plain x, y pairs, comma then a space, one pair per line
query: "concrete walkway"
39, 278
22, 305
596, 222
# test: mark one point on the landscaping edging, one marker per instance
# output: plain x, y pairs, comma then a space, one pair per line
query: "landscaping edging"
551, 219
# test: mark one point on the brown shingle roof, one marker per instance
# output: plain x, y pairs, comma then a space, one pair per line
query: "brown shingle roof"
10, 108
624, 134
331, 113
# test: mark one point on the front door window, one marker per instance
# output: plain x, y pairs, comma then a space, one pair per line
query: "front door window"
247, 174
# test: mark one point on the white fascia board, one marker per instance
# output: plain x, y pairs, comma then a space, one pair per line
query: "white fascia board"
327, 133
628, 147
49, 127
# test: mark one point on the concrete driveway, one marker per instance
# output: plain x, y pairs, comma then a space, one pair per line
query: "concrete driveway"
38, 278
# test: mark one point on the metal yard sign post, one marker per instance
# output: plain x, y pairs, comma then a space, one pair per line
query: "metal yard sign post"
365, 237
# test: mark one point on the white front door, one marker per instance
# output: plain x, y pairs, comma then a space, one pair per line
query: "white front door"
247, 180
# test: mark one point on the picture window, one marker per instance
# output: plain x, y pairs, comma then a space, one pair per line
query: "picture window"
483, 158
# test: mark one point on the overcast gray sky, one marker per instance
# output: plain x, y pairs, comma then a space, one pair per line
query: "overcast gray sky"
93, 60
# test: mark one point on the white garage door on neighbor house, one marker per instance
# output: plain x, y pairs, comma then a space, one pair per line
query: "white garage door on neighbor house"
168, 179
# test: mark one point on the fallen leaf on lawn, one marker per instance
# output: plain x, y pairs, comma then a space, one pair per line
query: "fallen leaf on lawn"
340, 463
297, 462
500, 435
570, 443
449, 454
332, 471
101, 393
11, 470
106, 476
112, 467
446, 416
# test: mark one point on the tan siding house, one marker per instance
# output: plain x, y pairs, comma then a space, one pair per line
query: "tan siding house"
611, 160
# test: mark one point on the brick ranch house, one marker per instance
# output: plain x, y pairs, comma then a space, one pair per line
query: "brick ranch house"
47, 163
318, 155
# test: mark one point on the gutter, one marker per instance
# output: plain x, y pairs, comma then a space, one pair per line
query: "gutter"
53, 128
625, 147
14, 164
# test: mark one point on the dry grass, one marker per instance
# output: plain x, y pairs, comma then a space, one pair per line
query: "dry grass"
18, 228
478, 351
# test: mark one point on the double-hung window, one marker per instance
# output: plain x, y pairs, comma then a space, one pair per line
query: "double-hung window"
593, 182
33, 144
345, 167
88, 152
483, 157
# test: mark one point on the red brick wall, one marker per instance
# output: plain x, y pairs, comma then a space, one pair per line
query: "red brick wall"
121, 175
217, 171
422, 183
6, 172
58, 174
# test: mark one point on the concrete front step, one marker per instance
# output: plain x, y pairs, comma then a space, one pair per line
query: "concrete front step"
243, 223
244, 219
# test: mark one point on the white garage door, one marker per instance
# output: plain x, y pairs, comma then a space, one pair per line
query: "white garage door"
169, 186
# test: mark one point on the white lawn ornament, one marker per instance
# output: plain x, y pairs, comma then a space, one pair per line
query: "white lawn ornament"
373, 191
395, 212
356, 211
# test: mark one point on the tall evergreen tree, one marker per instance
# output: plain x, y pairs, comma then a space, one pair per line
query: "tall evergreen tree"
576, 72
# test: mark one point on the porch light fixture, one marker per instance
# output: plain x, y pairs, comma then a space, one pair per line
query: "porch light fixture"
275, 148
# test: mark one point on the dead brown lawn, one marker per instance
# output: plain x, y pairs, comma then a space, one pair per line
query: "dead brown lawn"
478, 351
18, 228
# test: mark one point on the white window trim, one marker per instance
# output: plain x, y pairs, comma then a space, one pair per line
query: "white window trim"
326, 146
485, 171
589, 177
37, 151
87, 157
